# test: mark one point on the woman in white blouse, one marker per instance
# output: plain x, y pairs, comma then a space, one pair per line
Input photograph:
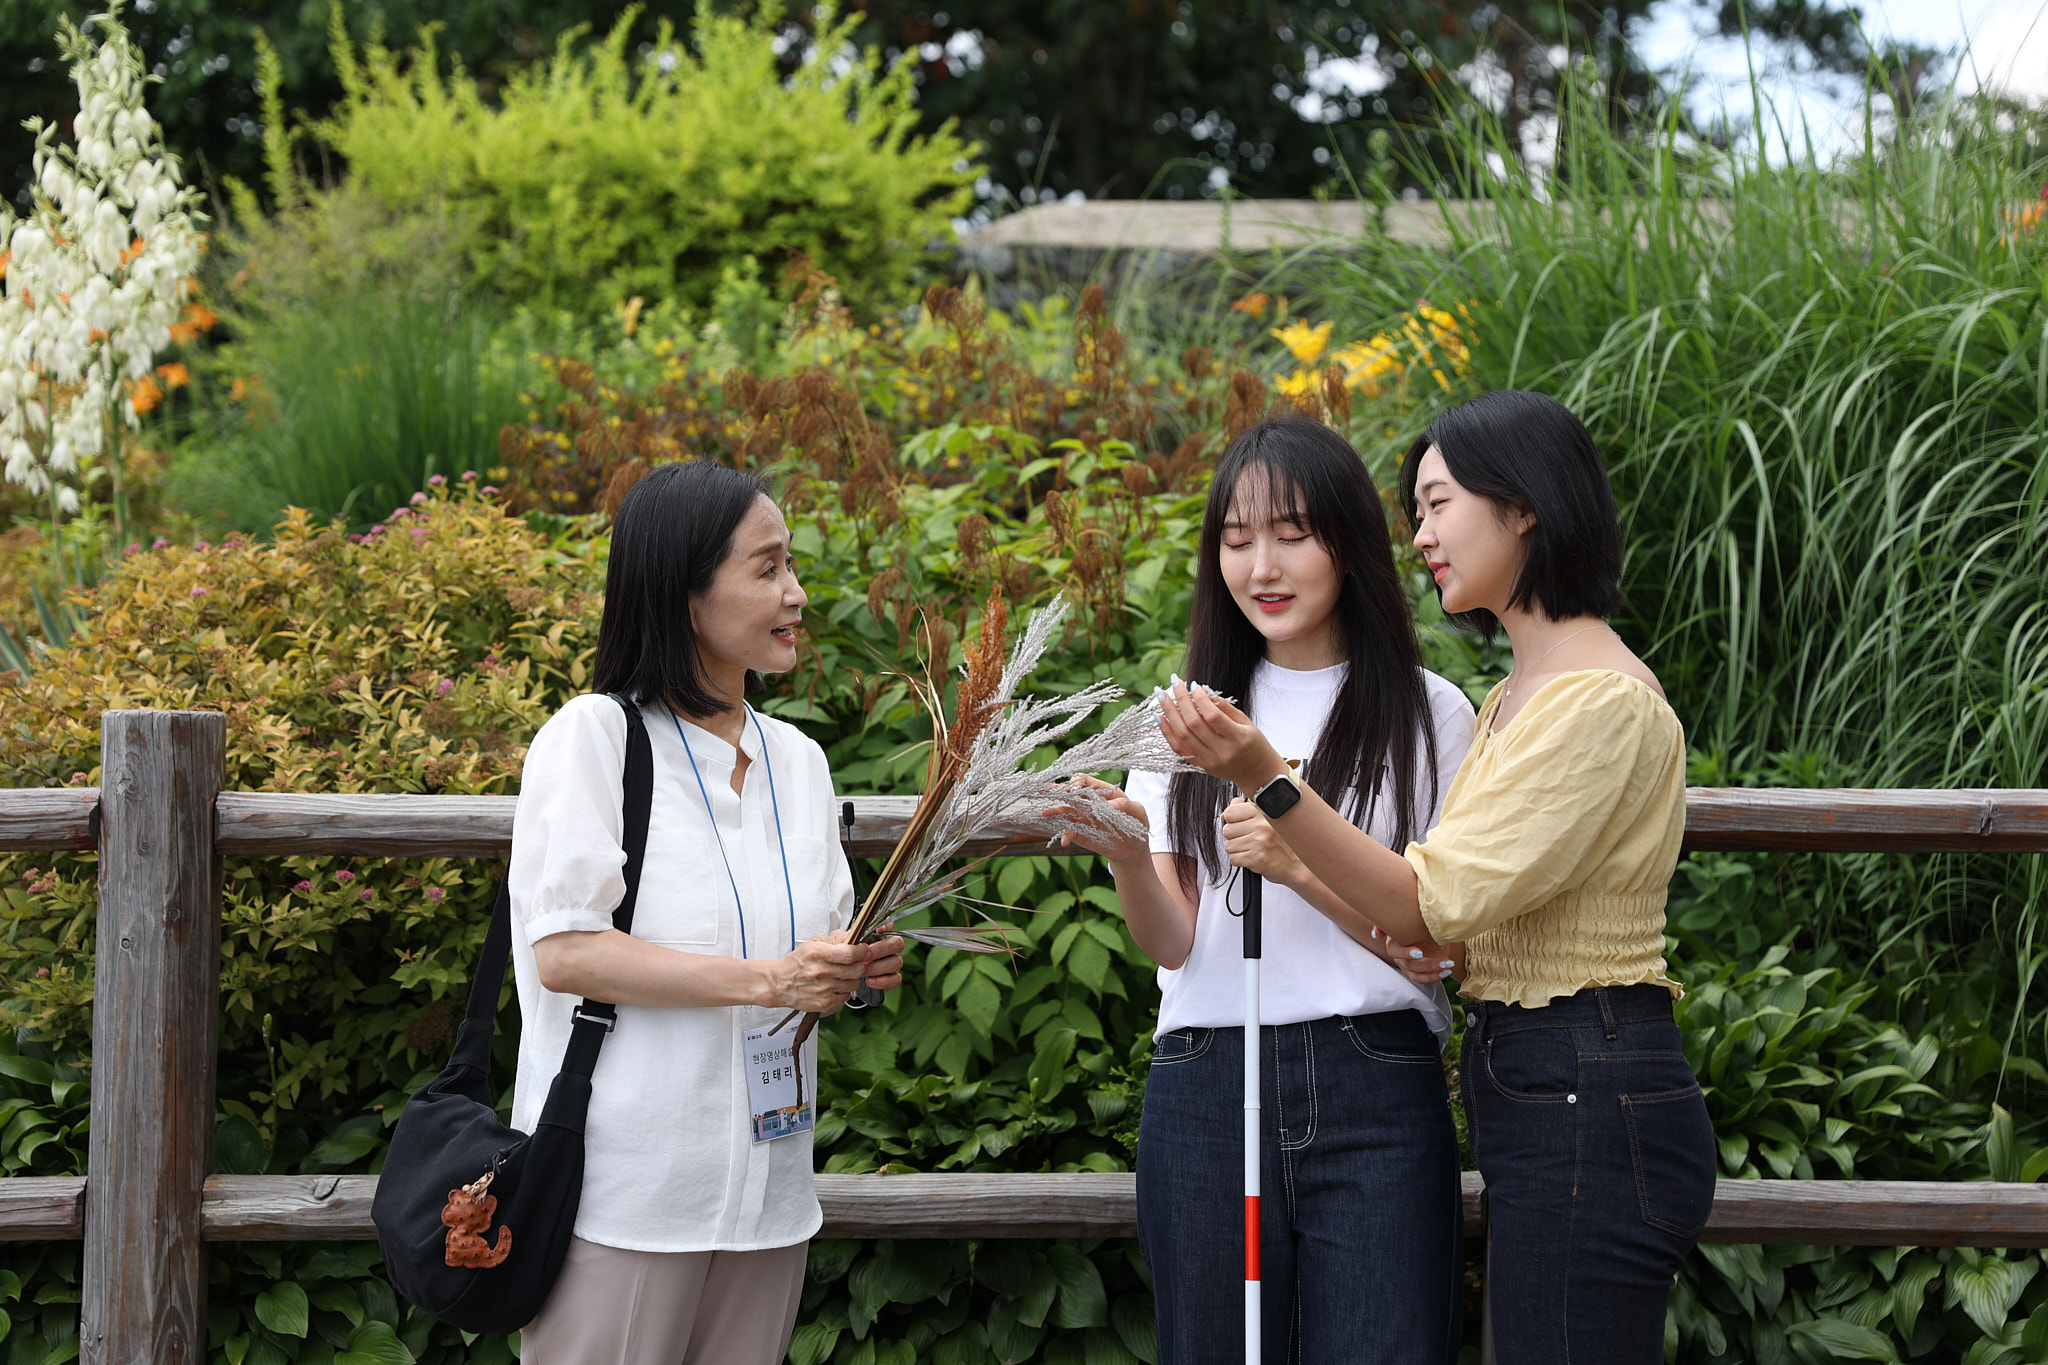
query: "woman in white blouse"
698, 1203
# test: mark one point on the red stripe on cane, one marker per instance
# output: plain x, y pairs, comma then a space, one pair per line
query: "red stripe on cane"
1251, 1237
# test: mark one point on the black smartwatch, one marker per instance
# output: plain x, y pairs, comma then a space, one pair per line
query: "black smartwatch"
1279, 796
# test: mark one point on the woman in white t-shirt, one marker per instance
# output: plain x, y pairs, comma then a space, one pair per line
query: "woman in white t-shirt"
698, 1203
1298, 610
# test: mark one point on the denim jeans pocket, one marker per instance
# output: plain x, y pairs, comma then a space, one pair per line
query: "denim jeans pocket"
1181, 1045
1396, 1036
1671, 1148
1537, 1064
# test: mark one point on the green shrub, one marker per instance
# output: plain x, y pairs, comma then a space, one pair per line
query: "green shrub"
599, 176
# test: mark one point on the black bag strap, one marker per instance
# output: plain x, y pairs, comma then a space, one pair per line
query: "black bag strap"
593, 1018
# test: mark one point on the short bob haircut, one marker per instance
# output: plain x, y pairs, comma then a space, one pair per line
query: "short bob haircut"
1528, 453
673, 530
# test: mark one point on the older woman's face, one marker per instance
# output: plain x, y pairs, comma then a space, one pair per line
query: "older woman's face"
749, 616
1474, 552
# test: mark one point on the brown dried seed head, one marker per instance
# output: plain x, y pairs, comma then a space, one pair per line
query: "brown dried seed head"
1093, 304
1197, 362
814, 386
974, 539
881, 589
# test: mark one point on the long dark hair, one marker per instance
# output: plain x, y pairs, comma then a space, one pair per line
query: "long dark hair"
672, 532
1313, 477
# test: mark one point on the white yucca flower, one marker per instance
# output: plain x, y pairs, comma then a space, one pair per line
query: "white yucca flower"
96, 272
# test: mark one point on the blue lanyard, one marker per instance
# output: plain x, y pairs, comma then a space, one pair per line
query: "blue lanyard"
788, 889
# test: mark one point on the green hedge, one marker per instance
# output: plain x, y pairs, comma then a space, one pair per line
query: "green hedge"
604, 174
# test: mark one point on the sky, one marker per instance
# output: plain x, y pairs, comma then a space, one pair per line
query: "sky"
2000, 44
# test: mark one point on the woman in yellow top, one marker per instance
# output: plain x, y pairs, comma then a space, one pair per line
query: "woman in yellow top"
1546, 878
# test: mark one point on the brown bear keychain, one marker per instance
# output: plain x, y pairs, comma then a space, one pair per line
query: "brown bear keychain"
468, 1215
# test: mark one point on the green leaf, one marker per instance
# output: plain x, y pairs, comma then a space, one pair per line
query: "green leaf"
1011, 1339
812, 1344
374, 1343
282, 1308
1048, 1072
1847, 1341
1133, 1318
1986, 1290
1089, 962
978, 1002
1015, 880
1036, 1300
238, 1148
1082, 1302
1909, 1292
344, 1147
2000, 1149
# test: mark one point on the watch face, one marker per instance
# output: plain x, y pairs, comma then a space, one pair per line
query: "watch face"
1277, 798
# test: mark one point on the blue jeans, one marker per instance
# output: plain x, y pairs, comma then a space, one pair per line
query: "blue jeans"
1361, 1234
1599, 1162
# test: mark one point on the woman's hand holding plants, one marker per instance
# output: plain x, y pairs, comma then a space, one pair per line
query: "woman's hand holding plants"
1216, 737
821, 973
1102, 842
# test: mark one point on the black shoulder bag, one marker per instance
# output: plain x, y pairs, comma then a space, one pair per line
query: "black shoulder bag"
455, 1172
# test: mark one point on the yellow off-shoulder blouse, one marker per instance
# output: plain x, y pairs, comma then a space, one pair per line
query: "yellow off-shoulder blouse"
1555, 850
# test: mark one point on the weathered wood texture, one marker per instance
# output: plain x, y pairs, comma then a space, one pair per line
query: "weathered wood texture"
1879, 1213
290, 1208
331, 1208
1845, 820
1868, 820
278, 823
36, 818
42, 1208
1838, 820
156, 1013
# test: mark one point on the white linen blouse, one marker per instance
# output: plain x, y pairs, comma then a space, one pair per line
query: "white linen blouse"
1312, 969
670, 1161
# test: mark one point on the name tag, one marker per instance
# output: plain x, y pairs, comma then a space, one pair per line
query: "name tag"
770, 1059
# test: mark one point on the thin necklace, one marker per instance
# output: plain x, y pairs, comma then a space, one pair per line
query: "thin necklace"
1506, 685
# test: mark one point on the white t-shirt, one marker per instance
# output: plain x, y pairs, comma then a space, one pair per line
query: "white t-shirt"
670, 1161
1311, 969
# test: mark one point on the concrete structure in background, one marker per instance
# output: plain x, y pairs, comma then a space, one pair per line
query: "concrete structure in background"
1115, 241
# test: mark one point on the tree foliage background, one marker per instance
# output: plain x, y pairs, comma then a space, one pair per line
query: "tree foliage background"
1150, 97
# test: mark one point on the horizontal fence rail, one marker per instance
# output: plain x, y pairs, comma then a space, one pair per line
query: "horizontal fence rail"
336, 1208
1729, 819
164, 824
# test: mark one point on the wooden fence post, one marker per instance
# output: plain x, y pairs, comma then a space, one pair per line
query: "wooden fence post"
156, 1020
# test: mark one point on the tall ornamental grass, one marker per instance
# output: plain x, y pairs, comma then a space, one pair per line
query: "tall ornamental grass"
1823, 394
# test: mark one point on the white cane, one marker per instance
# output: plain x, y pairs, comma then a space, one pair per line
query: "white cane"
1253, 896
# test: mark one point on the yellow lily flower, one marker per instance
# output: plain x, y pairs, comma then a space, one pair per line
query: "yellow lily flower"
1305, 341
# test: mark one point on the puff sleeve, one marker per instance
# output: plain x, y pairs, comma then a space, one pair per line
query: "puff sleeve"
1560, 791
568, 860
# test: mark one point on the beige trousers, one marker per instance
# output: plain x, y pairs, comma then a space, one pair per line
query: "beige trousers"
616, 1307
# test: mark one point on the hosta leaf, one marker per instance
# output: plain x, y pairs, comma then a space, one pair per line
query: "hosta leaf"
1132, 1317
374, 1343
812, 1344
2000, 1146
1846, 1340
1104, 1348
283, 1309
1048, 1073
1082, 1302
1036, 1300
1010, 1339
1986, 1291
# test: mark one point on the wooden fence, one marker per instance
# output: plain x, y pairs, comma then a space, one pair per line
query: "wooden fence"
161, 824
